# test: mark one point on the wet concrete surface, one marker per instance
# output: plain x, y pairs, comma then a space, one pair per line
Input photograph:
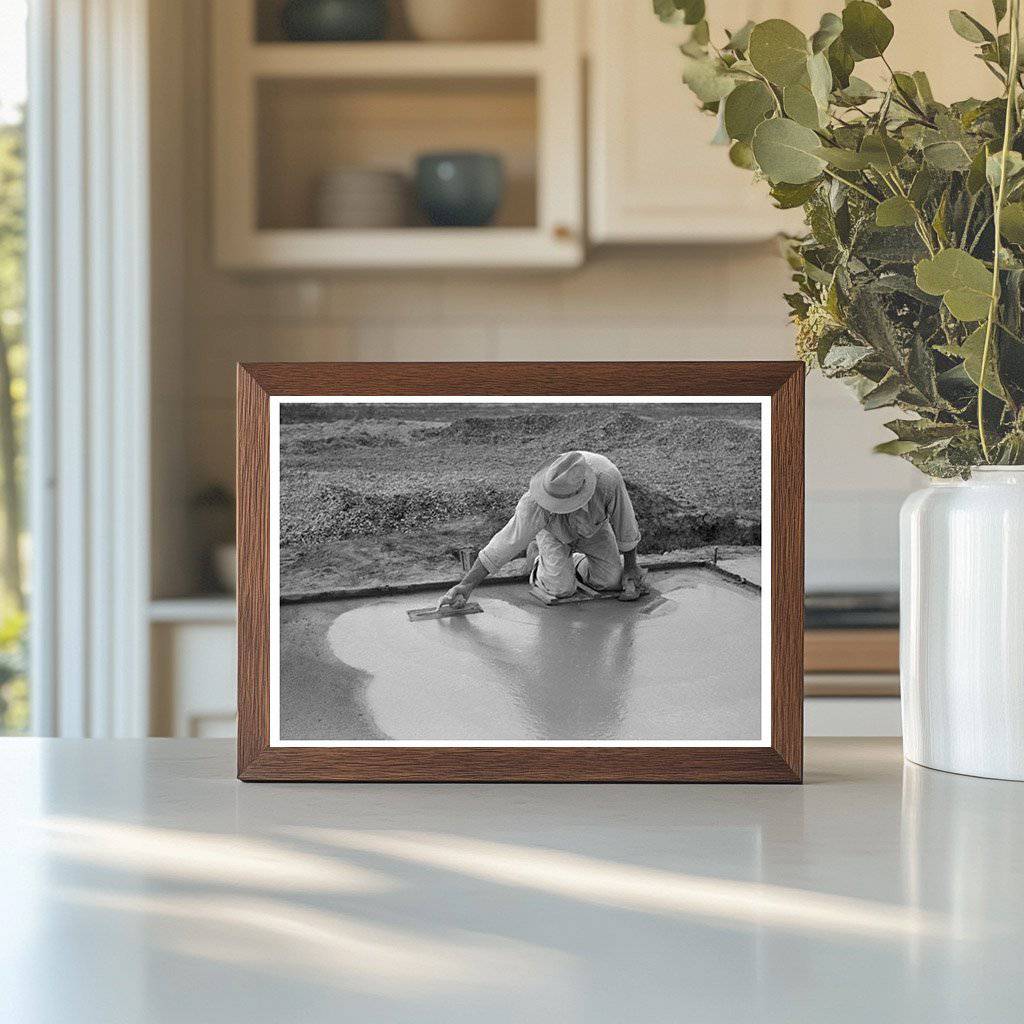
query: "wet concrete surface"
685, 668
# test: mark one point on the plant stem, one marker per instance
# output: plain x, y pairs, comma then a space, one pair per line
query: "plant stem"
853, 185
1011, 108
907, 99
775, 98
1012, 334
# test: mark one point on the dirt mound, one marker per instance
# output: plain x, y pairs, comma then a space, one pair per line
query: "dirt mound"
667, 526
486, 429
325, 511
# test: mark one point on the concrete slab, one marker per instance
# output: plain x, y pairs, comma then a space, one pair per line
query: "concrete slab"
747, 566
688, 668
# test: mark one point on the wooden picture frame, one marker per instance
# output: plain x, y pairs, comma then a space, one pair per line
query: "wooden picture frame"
778, 760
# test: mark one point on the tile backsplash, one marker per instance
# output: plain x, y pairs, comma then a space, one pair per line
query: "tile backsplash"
708, 303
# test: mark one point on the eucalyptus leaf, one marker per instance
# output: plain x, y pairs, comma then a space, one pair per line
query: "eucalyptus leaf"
787, 152
921, 370
963, 281
889, 246
701, 34
721, 136
841, 62
895, 447
741, 155
779, 51
739, 41
947, 156
1012, 223
844, 159
976, 176
972, 351
924, 87
745, 108
905, 84
923, 431
895, 212
829, 30
883, 395
939, 219
693, 10
993, 167
708, 80
883, 152
801, 106
857, 91
788, 196
666, 10
843, 358
868, 321
922, 185
969, 28
690, 12
819, 75
866, 29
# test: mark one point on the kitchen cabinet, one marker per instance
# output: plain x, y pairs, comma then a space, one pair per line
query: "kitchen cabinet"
287, 114
653, 175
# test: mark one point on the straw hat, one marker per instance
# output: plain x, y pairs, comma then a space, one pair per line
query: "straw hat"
564, 484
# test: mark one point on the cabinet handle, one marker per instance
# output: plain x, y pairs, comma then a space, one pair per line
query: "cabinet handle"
562, 232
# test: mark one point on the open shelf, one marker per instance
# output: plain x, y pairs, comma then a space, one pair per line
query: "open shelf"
390, 60
520, 23
406, 248
309, 127
286, 114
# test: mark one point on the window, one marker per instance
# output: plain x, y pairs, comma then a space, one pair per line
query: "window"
14, 691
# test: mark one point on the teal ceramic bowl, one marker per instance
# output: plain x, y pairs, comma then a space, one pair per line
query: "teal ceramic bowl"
460, 189
334, 21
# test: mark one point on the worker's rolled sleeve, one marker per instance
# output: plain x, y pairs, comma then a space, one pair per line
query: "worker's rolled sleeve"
526, 522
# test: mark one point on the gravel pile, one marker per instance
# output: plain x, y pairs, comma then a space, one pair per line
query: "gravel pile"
324, 511
668, 526
480, 429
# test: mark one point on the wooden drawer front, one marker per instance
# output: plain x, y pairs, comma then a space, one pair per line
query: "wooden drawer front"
852, 650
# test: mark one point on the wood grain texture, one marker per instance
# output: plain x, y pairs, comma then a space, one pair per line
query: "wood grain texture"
787, 569
252, 531
781, 762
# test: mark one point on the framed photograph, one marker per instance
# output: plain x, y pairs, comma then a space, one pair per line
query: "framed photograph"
520, 571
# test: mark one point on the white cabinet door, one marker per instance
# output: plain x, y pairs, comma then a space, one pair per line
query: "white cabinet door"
654, 177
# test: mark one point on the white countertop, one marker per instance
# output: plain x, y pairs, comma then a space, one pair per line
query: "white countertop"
140, 882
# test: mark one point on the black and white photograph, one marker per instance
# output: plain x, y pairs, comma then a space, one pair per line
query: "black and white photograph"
460, 572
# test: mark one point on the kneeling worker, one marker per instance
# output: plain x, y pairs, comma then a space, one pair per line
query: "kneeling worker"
578, 518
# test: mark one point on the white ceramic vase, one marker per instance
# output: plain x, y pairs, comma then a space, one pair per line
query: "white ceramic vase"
962, 624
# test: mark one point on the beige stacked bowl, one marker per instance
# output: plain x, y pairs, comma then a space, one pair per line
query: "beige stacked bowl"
362, 197
470, 20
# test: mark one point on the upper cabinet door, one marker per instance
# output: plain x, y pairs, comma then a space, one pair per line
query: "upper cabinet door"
654, 176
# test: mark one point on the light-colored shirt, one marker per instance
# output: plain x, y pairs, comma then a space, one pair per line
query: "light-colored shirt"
610, 504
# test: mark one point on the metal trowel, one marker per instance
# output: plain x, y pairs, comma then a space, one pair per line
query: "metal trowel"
445, 612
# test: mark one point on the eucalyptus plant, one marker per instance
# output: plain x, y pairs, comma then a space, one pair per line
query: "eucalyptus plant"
910, 278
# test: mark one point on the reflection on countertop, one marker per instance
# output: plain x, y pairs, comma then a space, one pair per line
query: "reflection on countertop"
141, 882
